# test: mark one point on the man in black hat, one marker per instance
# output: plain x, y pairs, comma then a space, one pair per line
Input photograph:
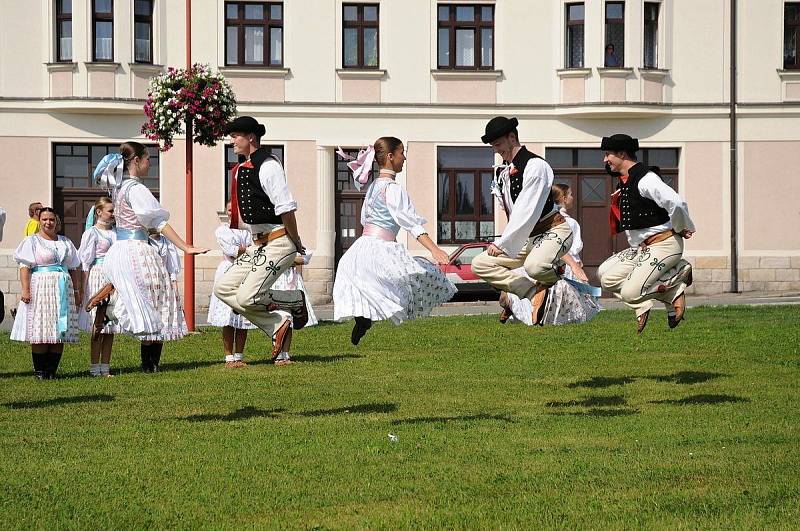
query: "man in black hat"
537, 235
656, 221
261, 198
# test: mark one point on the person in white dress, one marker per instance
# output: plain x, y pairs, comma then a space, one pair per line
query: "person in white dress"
232, 242
291, 280
376, 278
141, 296
95, 243
566, 303
47, 317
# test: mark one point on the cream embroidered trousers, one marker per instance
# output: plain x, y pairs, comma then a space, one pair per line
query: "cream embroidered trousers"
244, 286
640, 275
541, 258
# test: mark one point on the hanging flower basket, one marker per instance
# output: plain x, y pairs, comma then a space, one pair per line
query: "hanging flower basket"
196, 92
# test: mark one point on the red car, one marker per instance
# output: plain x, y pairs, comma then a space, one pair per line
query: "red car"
459, 269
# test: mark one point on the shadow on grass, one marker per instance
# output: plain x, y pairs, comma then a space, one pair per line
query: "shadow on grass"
686, 377
599, 412
360, 409
592, 401
310, 358
61, 401
459, 418
597, 382
703, 399
243, 413
680, 377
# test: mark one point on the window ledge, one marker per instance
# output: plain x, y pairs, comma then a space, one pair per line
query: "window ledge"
360, 73
145, 68
61, 67
467, 74
789, 75
101, 67
256, 71
614, 71
573, 72
654, 74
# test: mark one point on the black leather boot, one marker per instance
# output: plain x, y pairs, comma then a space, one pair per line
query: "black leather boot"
155, 355
145, 350
38, 365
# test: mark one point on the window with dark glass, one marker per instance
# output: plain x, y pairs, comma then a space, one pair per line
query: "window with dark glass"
74, 190
651, 34
64, 30
231, 159
360, 36
465, 36
615, 34
465, 206
103, 30
791, 34
253, 34
666, 159
574, 34
143, 31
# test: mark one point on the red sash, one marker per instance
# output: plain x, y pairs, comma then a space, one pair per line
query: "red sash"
234, 195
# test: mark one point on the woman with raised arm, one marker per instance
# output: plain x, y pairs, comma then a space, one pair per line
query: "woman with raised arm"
377, 278
141, 297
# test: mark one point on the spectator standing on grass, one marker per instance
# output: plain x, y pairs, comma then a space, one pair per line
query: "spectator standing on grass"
97, 239
32, 227
47, 316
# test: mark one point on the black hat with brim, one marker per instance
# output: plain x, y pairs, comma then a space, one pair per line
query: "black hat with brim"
620, 142
497, 127
246, 125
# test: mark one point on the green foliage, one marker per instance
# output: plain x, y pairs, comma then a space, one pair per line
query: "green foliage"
496, 425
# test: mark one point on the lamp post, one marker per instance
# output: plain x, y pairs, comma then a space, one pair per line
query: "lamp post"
188, 259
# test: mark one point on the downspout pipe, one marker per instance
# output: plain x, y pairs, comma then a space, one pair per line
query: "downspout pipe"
734, 157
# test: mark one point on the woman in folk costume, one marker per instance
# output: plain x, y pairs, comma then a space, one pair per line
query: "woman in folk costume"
47, 317
292, 280
571, 299
141, 297
95, 243
233, 242
656, 222
377, 279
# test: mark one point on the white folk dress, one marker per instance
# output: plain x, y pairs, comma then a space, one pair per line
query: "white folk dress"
291, 280
565, 304
51, 316
172, 262
219, 313
95, 243
377, 278
145, 304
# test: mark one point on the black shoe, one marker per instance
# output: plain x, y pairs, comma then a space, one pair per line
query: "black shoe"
360, 329
39, 375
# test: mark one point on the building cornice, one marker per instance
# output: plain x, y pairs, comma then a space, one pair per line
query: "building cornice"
261, 72
61, 67
467, 74
615, 72
101, 67
360, 73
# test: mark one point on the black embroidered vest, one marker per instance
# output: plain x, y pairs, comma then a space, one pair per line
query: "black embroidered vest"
637, 212
521, 160
255, 207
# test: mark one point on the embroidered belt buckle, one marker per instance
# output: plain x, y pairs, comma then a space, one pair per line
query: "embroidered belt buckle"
266, 237
658, 237
544, 225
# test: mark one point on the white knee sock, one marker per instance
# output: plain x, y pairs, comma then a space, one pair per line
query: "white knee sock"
238, 356
105, 369
94, 369
229, 358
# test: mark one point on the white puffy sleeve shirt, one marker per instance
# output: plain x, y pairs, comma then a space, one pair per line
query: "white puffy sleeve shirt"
34, 251
577, 243
273, 181
537, 179
652, 187
87, 252
148, 210
403, 211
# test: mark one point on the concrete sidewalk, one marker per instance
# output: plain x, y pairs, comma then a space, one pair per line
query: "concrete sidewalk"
752, 298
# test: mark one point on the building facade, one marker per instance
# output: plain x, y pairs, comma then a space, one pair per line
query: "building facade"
326, 73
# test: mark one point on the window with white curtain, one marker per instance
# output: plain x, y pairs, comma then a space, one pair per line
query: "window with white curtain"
103, 30
360, 35
64, 31
466, 36
651, 10
143, 31
254, 34
574, 33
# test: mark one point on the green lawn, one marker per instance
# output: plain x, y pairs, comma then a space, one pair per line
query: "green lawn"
497, 426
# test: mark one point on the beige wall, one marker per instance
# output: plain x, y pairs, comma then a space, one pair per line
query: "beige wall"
703, 183
25, 178
301, 173
770, 195
420, 182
